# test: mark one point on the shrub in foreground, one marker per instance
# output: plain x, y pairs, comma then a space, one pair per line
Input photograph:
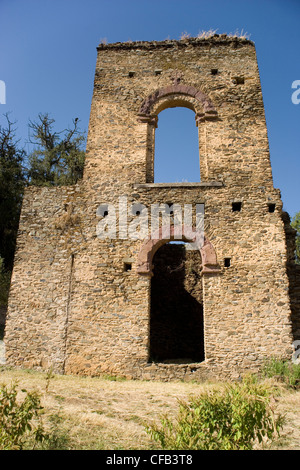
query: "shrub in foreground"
21, 426
19, 421
232, 418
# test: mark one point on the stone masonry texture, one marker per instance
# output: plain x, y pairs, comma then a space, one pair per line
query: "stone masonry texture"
144, 308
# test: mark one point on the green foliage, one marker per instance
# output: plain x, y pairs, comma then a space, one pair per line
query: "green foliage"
21, 427
12, 182
285, 371
113, 378
19, 422
296, 225
57, 160
232, 418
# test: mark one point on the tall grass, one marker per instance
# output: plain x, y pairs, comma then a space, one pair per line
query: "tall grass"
284, 370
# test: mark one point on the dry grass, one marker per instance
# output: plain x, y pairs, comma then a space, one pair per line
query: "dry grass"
101, 413
239, 34
211, 32
206, 34
289, 405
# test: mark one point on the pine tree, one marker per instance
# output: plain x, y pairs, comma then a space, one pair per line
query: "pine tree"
57, 159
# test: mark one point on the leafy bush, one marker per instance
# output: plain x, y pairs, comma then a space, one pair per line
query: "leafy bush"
19, 422
283, 370
232, 418
21, 426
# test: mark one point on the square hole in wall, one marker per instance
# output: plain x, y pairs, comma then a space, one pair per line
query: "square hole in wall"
136, 209
127, 267
227, 262
214, 71
236, 206
271, 207
102, 210
239, 80
170, 205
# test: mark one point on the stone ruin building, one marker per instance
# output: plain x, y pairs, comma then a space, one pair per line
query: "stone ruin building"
145, 307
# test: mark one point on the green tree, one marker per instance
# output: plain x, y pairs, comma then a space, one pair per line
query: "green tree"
58, 158
12, 183
296, 225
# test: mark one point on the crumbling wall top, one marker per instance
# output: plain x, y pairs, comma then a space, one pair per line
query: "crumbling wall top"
216, 40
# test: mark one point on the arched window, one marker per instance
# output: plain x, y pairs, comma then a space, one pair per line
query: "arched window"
162, 103
176, 156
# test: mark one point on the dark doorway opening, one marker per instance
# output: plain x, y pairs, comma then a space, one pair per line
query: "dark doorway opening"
176, 317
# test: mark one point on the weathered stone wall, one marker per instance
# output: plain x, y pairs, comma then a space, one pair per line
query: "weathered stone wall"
74, 305
39, 293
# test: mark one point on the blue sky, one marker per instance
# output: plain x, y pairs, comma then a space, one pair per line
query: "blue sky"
48, 56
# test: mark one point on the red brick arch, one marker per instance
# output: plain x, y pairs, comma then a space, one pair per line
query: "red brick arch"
152, 244
205, 104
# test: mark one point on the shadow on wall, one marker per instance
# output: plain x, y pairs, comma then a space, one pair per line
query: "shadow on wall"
176, 318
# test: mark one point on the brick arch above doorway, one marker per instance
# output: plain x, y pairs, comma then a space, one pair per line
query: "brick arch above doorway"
153, 243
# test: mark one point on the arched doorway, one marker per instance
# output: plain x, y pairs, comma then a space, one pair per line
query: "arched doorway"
176, 332
176, 309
